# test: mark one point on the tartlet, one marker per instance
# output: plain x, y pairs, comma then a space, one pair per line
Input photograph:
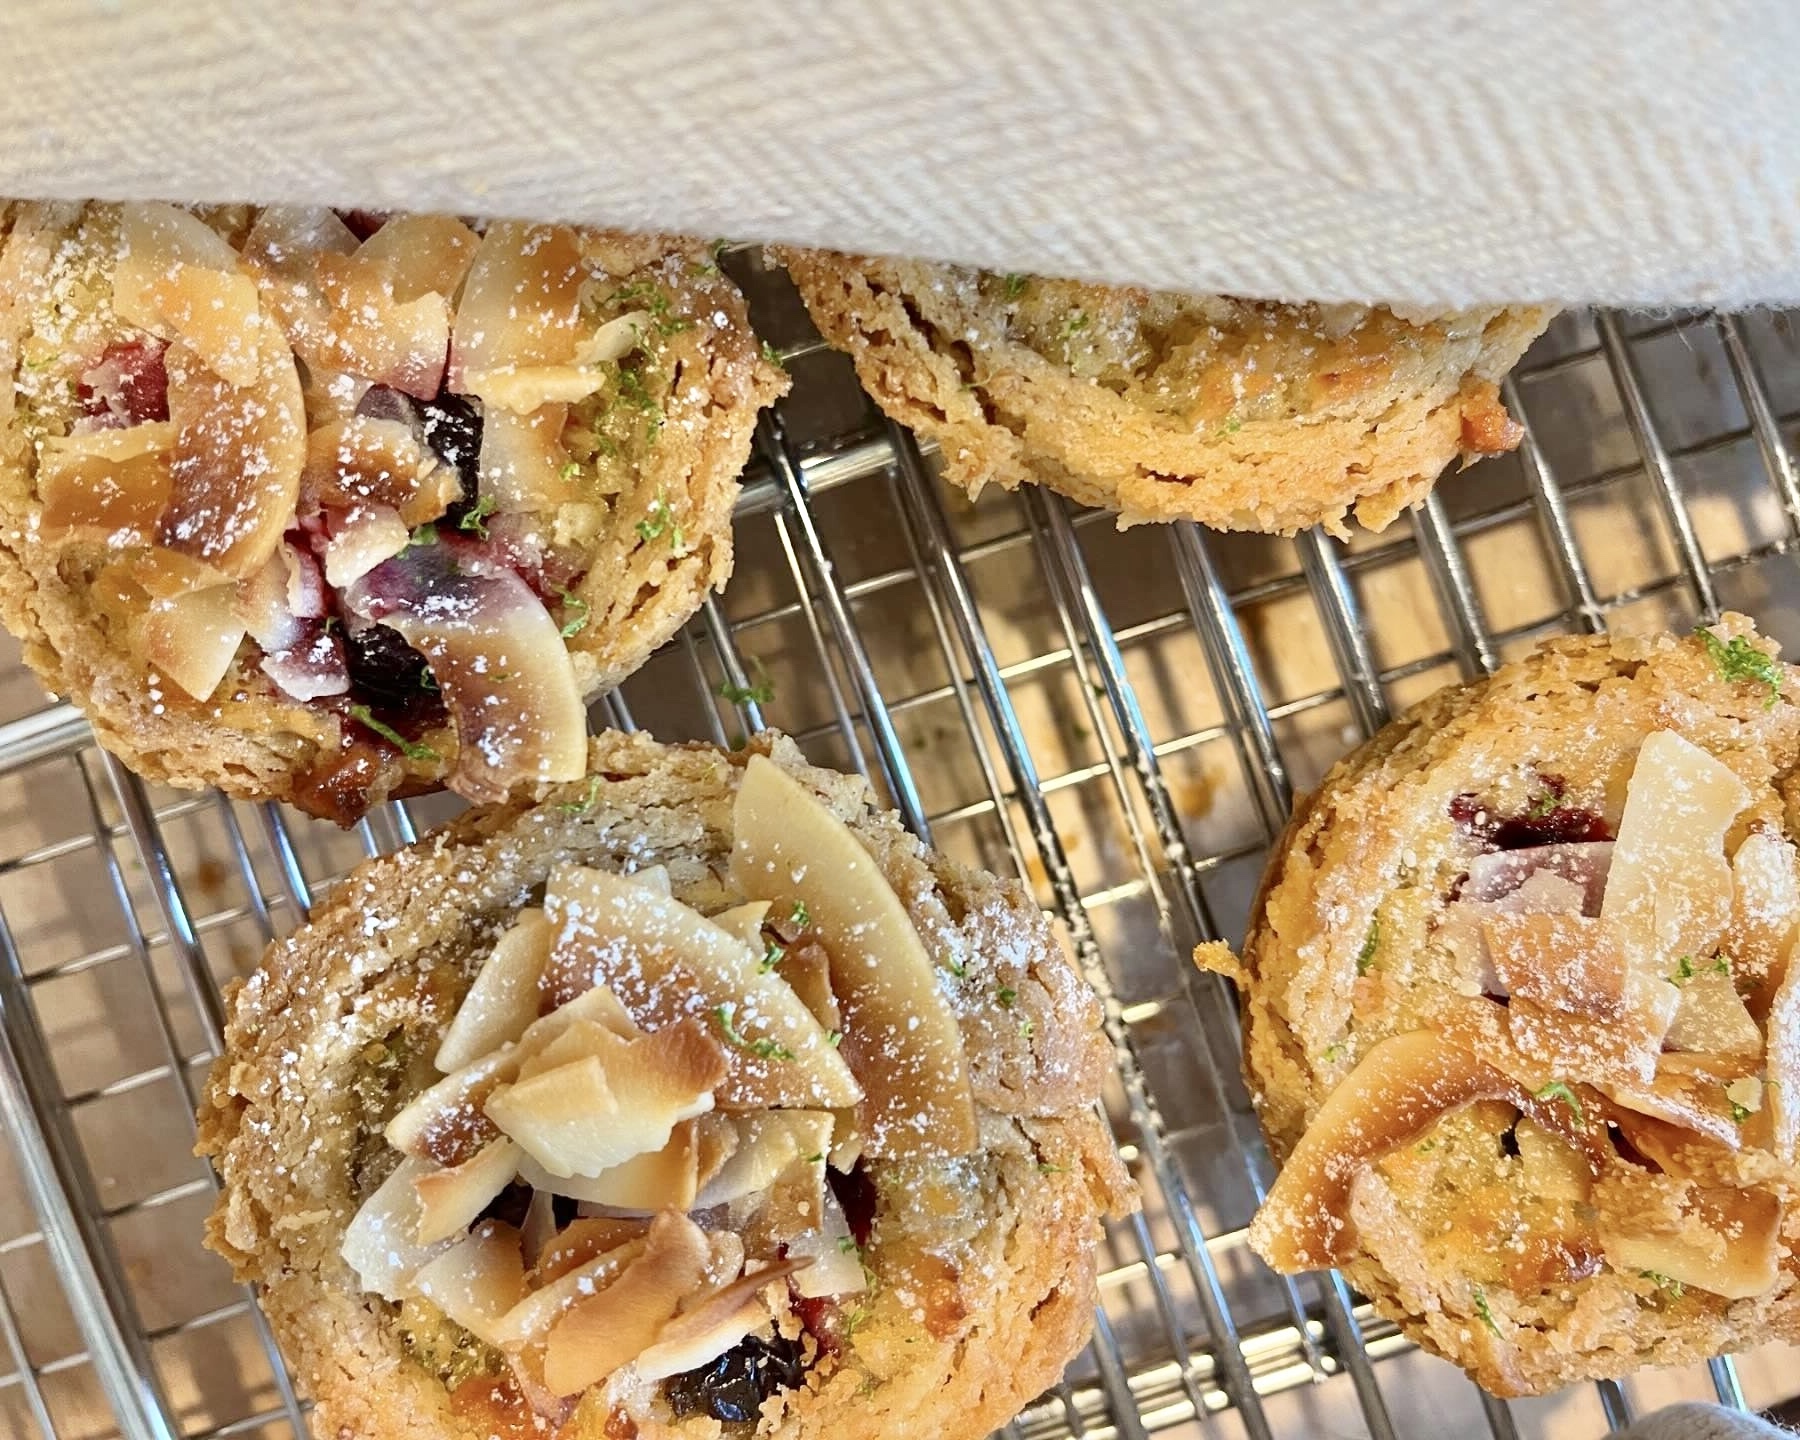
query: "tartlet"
1522, 1012
330, 514
1241, 415
698, 1095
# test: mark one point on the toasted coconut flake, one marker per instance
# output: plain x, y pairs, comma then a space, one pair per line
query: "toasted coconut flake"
614, 340
1729, 1246
523, 462
665, 961
1564, 961
521, 302
837, 1265
1500, 875
477, 1281
768, 1143
452, 1198
522, 389
191, 638
562, 1116
362, 539
583, 1241
1711, 1018
538, 1232
445, 1122
715, 1142
234, 471
109, 484
503, 1000
1402, 1086
589, 1100
900, 1038
499, 659
597, 1335
421, 254
179, 277
598, 1005
1765, 909
744, 921
1556, 1168
380, 1243
1669, 889
402, 344
1685, 1102
807, 968
529, 1322
362, 460
1783, 1058
644, 1183
712, 1325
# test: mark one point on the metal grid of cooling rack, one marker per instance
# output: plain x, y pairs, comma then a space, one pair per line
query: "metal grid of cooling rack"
1121, 718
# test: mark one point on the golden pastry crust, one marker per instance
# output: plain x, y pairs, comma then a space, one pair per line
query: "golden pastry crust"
655, 542
1164, 406
1493, 1250
293, 1111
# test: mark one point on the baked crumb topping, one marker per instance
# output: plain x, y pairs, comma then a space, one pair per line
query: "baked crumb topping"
640, 1163
365, 475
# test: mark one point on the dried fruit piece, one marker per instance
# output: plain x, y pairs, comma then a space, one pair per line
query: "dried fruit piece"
498, 658
900, 1038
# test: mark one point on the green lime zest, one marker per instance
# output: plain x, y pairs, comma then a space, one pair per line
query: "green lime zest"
411, 749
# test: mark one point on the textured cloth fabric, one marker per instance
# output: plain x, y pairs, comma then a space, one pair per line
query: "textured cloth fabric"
1702, 1422
1434, 151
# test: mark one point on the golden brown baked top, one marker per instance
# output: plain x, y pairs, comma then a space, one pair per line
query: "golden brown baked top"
1236, 413
697, 1091
1523, 1012
388, 502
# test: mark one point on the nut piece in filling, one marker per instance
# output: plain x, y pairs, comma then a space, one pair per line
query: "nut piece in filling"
331, 516
1161, 405
697, 1095
1522, 1013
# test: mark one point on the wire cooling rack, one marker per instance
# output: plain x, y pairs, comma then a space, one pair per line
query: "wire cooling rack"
1121, 718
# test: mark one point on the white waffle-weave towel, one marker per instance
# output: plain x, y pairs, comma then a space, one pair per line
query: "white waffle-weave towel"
1434, 151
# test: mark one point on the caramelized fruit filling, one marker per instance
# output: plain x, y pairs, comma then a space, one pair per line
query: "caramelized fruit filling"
646, 1159
1593, 1093
361, 469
